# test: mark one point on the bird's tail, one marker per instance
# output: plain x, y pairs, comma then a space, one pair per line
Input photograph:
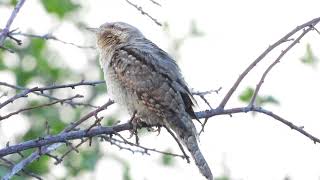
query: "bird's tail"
192, 146
186, 132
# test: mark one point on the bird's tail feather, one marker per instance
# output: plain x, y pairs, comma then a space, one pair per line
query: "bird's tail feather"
192, 146
186, 132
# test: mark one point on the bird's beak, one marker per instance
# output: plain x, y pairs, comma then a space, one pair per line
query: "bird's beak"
94, 30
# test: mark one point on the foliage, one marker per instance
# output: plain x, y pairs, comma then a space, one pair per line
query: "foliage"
38, 63
247, 94
60, 8
166, 159
309, 58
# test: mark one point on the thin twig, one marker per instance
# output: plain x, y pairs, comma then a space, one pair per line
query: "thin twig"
6, 29
50, 37
47, 149
297, 40
139, 8
202, 94
39, 106
155, 2
17, 96
267, 51
10, 163
41, 93
145, 149
179, 144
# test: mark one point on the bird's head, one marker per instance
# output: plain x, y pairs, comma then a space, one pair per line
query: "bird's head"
115, 33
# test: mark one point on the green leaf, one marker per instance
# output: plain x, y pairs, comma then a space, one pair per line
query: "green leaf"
89, 159
111, 121
309, 58
246, 95
126, 172
167, 160
13, 2
194, 30
267, 99
223, 177
59, 7
40, 166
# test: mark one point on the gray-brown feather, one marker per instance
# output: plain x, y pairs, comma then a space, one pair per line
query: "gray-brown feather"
144, 79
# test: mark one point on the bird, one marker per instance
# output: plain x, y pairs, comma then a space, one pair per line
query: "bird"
148, 83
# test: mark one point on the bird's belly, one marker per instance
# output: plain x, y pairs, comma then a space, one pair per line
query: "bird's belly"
128, 99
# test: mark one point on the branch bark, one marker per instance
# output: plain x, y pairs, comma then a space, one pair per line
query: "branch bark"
5, 31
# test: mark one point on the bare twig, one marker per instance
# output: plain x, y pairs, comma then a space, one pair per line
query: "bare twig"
6, 29
155, 2
17, 96
179, 144
145, 149
7, 49
297, 40
217, 111
267, 51
10, 163
47, 149
41, 93
59, 160
63, 137
40, 106
49, 143
201, 94
49, 37
139, 8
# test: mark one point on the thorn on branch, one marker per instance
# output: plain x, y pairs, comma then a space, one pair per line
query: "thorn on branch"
57, 160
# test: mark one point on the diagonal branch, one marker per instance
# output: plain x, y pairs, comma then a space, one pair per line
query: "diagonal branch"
47, 149
40, 106
5, 31
267, 51
139, 8
252, 101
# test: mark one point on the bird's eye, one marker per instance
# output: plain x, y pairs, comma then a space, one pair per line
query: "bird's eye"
107, 35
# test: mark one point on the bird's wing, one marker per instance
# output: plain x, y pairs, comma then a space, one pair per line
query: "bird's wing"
151, 67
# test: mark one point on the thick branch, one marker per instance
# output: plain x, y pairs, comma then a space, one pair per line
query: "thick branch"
64, 137
71, 135
47, 149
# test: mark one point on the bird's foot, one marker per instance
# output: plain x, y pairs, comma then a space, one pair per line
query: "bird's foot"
156, 128
136, 124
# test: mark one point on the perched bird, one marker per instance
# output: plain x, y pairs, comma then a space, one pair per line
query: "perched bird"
146, 81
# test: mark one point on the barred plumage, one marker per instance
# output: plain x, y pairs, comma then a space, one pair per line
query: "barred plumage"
144, 79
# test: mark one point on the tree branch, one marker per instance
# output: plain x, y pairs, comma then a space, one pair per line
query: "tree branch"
49, 36
252, 101
49, 143
6, 29
284, 39
40, 106
41, 93
139, 8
